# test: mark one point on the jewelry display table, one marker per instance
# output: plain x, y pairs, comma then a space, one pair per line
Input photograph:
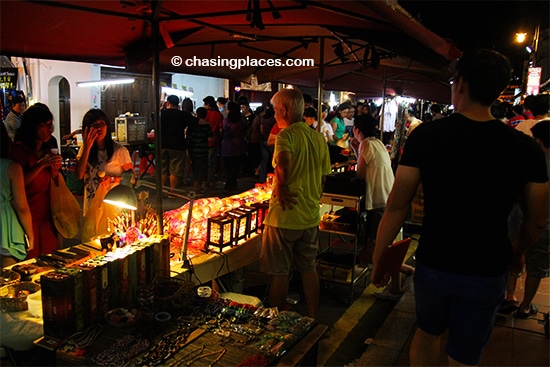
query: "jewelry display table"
200, 347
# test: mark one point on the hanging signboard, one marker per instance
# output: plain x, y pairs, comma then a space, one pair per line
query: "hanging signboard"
533, 80
8, 78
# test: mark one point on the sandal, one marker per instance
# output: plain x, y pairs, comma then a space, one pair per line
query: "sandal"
508, 306
533, 310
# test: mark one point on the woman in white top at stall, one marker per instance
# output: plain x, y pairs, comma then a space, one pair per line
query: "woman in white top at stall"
100, 162
374, 167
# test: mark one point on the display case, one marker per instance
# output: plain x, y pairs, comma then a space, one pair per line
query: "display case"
337, 263
131, 129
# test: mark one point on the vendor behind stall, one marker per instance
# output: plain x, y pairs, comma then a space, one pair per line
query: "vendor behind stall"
100, 162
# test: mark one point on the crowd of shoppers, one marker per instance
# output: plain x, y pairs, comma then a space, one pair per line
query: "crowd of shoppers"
287, 137
260, 132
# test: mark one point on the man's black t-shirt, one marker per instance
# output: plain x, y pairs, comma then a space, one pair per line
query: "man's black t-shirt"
472, 173
173, 123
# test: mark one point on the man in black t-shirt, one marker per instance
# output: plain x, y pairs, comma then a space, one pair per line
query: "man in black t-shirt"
173, 123
472, 168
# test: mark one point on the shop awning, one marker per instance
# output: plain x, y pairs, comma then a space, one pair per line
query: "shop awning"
148, 36
120, 33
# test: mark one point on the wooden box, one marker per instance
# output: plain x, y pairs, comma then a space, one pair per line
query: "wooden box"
57, 304
90, 275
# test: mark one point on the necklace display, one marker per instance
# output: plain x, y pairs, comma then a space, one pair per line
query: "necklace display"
121, 351
178, 361
80, 341
234, 330
167, 347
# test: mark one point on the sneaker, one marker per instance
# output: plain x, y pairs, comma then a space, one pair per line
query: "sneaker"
388, 295
533, 310
293, 298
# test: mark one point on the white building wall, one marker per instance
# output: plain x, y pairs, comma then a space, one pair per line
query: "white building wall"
201, 86
45, 76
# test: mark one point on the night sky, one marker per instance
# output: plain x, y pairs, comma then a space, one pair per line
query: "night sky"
487, 24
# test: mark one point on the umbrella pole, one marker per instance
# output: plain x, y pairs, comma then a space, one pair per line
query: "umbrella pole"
320, 84
156, 118
382, 122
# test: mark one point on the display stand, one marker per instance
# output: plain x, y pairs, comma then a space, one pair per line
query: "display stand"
338, 262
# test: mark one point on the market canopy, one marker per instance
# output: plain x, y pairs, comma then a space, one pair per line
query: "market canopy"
152, 36
356, 46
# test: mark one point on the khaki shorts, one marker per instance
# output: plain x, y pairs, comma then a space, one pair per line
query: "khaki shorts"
537, 259
283, 249
173, 162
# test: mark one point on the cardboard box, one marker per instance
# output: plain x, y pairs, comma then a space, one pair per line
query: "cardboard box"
77, 278
336, 266
132, 276
153, 258
161, 255
332, 222
142, 275
91, 278
124, 282
103, 288
57, 304
113, 271
334, 272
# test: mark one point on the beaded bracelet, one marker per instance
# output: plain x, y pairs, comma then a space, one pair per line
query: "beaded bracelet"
121, 351
163, 316
169, 345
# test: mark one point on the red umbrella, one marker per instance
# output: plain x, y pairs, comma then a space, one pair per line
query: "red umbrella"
151, 36
121, 33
